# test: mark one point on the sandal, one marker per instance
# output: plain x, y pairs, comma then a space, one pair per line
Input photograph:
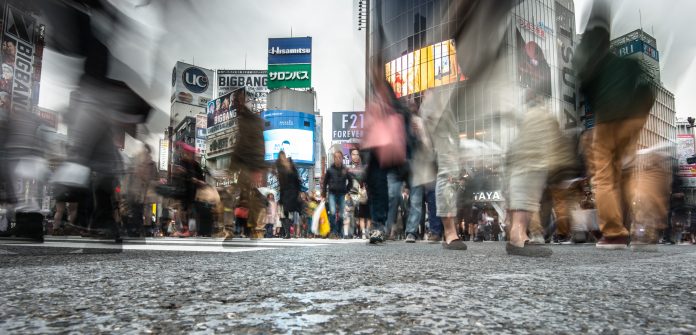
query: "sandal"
529, 250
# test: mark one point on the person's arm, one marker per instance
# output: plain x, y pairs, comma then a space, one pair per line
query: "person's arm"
349, 177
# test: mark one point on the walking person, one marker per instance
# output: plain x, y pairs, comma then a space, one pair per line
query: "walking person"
337, 183
290, 187
620, 96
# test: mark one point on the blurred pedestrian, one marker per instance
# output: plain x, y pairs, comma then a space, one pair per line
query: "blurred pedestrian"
619, 94
290, 187
337, 183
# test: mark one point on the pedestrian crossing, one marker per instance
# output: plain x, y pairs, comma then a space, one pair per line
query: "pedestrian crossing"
190, 244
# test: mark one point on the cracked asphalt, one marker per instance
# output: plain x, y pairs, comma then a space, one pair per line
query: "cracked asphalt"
349, 288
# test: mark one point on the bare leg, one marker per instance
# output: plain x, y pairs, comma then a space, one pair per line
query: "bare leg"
518, 230
450, 229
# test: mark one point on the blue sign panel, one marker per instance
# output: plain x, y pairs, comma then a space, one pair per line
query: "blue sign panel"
638, 46
291, 132
295, 50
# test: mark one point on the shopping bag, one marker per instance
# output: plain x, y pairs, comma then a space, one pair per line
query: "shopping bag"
324, 224
316, 216
386, 135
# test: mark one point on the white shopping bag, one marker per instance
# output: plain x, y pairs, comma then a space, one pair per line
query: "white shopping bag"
316, 217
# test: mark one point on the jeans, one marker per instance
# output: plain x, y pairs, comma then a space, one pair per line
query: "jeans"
337, 204
434, 221
395, 184
416, 209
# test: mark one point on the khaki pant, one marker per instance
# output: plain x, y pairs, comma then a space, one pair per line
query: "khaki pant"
613, 143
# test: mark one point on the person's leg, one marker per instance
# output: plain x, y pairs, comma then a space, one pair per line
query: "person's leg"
445, 193
394, 185
58, 217
331, 211
340, 208
607, 197
415, 212
525, 193
434, 221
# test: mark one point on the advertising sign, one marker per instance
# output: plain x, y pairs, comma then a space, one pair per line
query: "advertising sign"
428, 67
255, 82
191, 84
18, 41
292, 50
220, 114
565, 88
289, 62
201, 126
638, 46
291, 132
290, 76
347, 127
163, 154
686, 147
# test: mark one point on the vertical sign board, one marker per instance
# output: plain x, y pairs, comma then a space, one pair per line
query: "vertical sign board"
686, 147
201, 132
163, 154
566, 87
290, 62
18, 41
347, 132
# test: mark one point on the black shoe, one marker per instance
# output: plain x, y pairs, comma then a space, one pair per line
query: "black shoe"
529, 250
454, 245
376, 237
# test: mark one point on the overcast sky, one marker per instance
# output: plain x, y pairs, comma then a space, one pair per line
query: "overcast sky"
220, 34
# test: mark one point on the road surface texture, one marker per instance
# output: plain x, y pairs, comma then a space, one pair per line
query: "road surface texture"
314, 286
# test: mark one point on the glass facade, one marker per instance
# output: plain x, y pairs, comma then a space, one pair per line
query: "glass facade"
419, 55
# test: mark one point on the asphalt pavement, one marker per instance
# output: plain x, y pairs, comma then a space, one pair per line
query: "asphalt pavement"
341, 287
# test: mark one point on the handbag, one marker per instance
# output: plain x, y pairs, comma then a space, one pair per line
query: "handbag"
362, 199
241, 212
385, 134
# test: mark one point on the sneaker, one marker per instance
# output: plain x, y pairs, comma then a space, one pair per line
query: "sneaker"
410, 238
614, 243
537, 239
376, 237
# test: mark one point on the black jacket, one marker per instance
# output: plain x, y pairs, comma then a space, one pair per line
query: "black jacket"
337, 180
290, 187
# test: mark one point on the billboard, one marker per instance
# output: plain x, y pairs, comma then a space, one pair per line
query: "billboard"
432, 66
292, 50
289, 62
220, 114
191, 84
255, 82
686, 147
20, 35
636, 46
347, 126
291, 132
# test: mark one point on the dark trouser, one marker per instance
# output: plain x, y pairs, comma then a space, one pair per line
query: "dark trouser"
435, 222
377, 194
134, 220
204, 222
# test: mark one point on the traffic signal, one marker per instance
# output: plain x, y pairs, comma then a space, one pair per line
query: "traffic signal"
691, 121
691, 160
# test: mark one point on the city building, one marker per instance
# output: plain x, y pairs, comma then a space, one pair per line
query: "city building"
661, 127
419, 54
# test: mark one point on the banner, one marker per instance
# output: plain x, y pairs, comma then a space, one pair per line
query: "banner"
220, 114
163, 154
565, 90
191, 84
290, 76
347, 127
18, 41
292, 50
254, 81
289, 62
